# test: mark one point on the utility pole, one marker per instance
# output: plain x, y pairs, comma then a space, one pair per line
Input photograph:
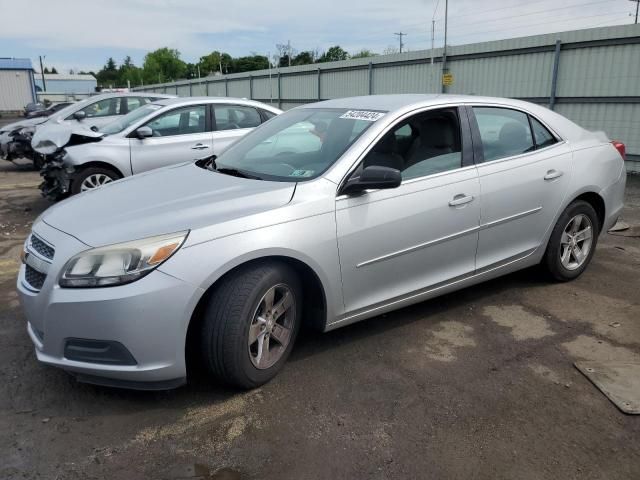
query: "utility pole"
44, 84
289, 51
444, 51
198, 71
637, 7
433, 36
400, 35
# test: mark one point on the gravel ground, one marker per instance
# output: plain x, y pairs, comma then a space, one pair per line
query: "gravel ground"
476, 384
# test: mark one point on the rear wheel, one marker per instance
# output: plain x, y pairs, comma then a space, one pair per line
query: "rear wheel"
573, 242
92, 178
251, 323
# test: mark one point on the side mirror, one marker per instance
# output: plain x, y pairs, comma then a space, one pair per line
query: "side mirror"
373, 177
144, 132
80, 115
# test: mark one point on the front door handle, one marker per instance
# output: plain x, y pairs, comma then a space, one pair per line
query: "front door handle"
460, 199
552, 174
200, 146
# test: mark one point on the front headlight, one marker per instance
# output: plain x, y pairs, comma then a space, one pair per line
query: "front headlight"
120, 263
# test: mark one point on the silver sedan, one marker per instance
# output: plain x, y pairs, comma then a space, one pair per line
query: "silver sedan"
375, 203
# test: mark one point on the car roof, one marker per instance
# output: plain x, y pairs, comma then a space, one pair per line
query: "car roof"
129, 94
229, 100
394, 102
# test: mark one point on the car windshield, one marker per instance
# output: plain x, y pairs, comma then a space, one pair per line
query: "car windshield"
297, 145
129, 119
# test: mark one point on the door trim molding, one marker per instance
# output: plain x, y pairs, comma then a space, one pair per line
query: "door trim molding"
446, 238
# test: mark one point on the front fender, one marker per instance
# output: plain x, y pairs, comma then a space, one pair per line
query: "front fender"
310, 240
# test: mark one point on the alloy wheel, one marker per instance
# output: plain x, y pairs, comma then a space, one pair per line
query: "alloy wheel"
272, 326
94, 181
576, 241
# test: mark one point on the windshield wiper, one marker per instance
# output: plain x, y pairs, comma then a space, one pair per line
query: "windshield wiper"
237, 173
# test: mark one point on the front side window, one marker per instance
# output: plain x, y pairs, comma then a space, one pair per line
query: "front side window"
425, 144
503, 132
103, 108
182, 121
230, 117
129, 119
298, 145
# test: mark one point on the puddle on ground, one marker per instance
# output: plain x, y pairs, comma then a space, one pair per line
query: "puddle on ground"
524, 325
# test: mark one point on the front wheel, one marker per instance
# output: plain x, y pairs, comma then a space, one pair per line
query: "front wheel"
572, 242
91, 178
251, 323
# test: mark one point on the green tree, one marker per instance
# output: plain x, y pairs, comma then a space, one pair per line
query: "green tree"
163, 65
128, 73
303, 58
108, 76
334, 54
364, 53
54, 71
250, 63
46, 70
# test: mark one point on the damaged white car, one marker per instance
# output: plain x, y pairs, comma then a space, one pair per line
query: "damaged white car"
93, 112
166, 132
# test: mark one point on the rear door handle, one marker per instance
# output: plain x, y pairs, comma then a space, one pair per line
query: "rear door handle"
200, 146
551, 174
460, 199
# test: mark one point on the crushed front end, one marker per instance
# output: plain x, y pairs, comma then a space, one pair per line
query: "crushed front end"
56, 176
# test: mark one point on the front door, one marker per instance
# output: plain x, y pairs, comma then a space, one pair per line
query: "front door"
423, 233
179, 135
524, 177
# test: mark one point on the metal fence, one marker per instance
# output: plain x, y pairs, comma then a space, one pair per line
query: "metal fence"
591, 76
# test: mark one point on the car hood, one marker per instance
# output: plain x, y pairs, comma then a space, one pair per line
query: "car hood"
167, 200
53, 136
27, 122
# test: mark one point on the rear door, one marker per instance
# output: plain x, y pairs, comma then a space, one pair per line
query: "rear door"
179, 135
231, 122
524, 171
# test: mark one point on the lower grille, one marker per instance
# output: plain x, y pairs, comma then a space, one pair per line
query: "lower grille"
34, 277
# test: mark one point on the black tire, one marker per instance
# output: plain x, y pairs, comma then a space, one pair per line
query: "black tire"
229, 314
551, 261
82, 175
38, 162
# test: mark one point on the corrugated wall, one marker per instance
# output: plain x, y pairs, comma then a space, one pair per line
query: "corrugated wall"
15, 90
598, 77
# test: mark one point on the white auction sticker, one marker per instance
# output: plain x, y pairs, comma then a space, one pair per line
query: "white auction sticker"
362, 115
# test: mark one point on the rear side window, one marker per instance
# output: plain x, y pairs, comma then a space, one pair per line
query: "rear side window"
230, 117
503, 132
267, 115
543, 137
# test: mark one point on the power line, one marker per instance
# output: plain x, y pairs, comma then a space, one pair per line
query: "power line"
575, 5
400, 35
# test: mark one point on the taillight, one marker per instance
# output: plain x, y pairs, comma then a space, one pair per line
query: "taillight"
620, 147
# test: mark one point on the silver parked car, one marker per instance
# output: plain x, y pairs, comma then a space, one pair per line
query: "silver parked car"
388, 201
156, 135
95, 111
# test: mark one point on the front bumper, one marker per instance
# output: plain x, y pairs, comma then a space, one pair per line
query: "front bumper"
148, 317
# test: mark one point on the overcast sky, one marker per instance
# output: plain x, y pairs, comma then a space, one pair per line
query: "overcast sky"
81, 34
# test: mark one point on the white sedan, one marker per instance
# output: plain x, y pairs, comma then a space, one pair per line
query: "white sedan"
159, 134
